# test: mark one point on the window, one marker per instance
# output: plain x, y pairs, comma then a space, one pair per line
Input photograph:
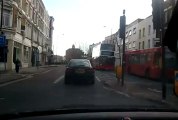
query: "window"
143, 58
35, 35
134, 30
140, 33
130, 45
157, 59
149, 29
166, 17
27, 8
19, 24
149, 43
30, 12
139, 45
126, 41
35, 17
133, 45
107, 53
130, 33
28, 30
143, 43
26, 53
126, 34
170, 14
135, 59
6, 20
143, 32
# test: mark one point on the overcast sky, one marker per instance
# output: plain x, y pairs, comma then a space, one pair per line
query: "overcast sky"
81, 22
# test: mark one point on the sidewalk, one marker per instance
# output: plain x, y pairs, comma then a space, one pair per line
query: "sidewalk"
24, 72
140, 90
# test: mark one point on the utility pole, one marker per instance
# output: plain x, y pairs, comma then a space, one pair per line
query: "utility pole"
163, 74
158, 24
122, 36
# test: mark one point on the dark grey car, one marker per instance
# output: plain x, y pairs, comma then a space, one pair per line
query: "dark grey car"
79, 71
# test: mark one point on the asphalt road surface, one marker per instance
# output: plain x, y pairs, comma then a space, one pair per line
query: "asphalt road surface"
47, 91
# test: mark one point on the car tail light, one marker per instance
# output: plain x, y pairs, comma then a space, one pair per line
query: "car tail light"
69, 70
90, 70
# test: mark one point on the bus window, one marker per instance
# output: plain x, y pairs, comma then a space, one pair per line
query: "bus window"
135, 59
149, 57
143, 58
157, 59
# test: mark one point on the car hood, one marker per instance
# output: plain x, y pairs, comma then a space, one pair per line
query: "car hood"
71, 109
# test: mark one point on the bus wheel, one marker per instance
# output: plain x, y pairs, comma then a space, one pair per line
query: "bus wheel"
147, 74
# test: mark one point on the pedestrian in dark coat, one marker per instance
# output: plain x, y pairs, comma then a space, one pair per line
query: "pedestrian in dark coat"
17, 65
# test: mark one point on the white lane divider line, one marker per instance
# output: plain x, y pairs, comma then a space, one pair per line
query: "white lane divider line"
59, 79
15, 81
116, 91
46, 71
154, 90
98, 79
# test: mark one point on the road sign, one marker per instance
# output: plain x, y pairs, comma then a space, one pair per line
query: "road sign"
2, 41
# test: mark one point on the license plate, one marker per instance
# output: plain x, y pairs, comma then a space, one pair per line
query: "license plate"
80, 71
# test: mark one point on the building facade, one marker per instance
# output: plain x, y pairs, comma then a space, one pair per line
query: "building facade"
26, 25
73, 53
146, 37
131, 35
111, 39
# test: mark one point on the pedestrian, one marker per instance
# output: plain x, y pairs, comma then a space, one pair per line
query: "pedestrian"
17, 65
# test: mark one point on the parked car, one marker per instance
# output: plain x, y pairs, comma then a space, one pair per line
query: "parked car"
79, 71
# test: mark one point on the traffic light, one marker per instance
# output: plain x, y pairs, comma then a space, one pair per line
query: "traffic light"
171, 34
158, 13
122, 27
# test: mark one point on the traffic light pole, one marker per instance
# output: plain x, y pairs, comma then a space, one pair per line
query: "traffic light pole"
163, 74
123, 62
122, 36
163, 77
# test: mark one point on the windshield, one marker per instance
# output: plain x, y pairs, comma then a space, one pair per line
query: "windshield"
57, 54
76, 63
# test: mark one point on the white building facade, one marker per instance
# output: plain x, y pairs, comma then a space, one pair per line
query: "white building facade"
146, 34
26, 27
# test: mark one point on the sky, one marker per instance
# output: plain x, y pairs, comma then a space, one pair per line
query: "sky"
83, 22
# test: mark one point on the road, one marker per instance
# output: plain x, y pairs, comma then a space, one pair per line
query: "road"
47, 91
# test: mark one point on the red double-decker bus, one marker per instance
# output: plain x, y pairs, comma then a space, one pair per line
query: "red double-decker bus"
103, 57
148, 63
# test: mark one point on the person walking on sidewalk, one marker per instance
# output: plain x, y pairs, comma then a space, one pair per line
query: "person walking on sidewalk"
17, 65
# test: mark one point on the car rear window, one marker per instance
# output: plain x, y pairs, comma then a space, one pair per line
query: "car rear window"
82, 63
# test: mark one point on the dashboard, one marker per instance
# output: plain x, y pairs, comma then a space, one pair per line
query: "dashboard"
105, 116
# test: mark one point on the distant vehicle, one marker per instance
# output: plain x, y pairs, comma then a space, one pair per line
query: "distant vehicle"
79, 71
148, 63
103, 57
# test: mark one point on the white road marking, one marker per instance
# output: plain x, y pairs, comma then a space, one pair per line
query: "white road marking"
15, 81
116, 91
59, 79
154, 90
98, 79
46, 71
